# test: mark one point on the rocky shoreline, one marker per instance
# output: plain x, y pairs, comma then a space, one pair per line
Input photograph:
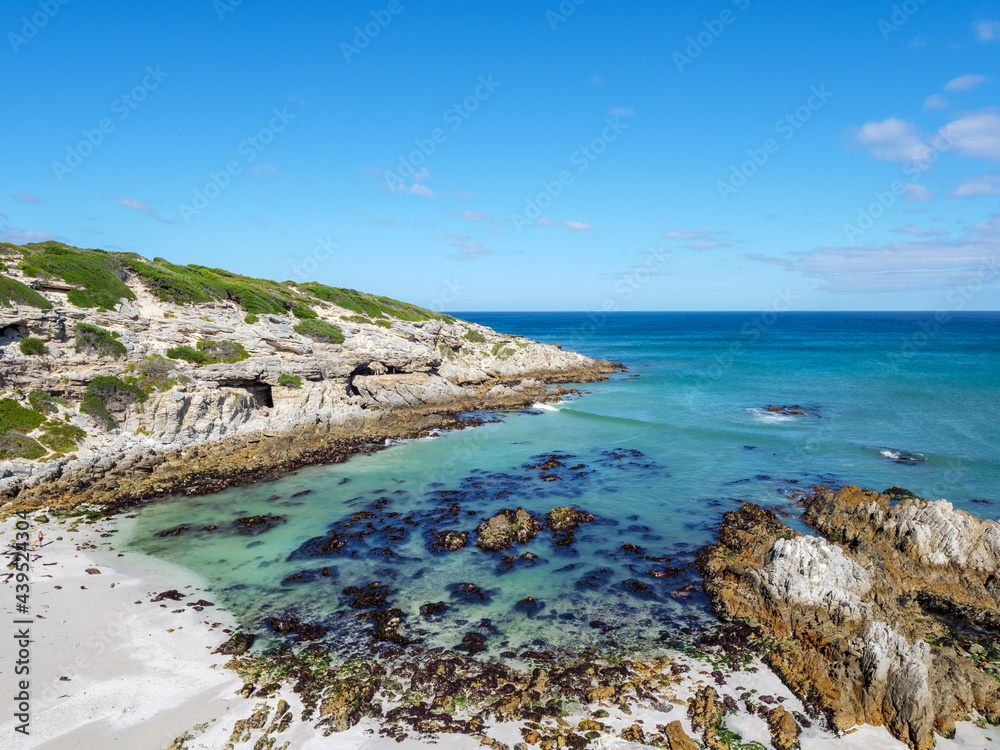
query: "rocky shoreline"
130, 379
889, 618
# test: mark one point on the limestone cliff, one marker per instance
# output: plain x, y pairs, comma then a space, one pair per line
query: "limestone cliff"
143, 372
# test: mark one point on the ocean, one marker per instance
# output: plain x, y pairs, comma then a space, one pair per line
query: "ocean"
872, 399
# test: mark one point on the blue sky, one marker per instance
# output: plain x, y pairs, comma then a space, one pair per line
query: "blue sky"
727, 155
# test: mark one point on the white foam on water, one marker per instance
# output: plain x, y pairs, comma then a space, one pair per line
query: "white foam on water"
545, 407
768, 417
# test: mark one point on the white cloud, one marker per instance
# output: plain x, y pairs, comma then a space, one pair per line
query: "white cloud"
422, 190
985, 185
893, 140
965, 83
709, 245
918, 232
138, 205
936, 101
32, 199
916, 193
262, 169
977, 134
473, 215
621, 112
23, 236
464, 195
385, 222
902, 266
465, 243
573, 226
702, 239
987, 31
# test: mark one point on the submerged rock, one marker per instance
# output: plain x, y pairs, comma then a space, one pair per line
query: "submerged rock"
504, 529
450, 541
292, 625
566, 518
468, 592
432, 608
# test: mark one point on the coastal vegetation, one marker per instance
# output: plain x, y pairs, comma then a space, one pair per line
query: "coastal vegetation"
474, 336
100, 280
91, 339
106, 394
154, 373
210, 352
14, 292
15, 421
32, 346
320, 330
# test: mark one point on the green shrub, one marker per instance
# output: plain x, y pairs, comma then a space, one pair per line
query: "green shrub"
155, 373
250, 319
384, 323
32, 346
106, 394
192, 284
369, 305
41, 401
304, 313
13, 416
356, 319
13, 292
92, 339
290, 381
14, 444
188, 354
100, 274
500, 351
210, 352
61, 437
223, 351
320, 330
474, 336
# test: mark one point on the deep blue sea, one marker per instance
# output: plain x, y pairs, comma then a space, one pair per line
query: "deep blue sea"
886, 399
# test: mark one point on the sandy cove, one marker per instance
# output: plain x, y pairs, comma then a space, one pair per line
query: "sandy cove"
141, 673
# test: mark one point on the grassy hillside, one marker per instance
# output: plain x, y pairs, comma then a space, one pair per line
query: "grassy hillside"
102, 278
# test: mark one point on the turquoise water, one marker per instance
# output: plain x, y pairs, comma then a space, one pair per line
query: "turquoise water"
888, 399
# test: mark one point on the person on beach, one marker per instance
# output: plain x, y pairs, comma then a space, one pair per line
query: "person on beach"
40, 535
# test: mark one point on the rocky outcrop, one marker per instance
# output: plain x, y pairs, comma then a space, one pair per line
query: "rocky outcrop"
504, 529
292, 400
879, 622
